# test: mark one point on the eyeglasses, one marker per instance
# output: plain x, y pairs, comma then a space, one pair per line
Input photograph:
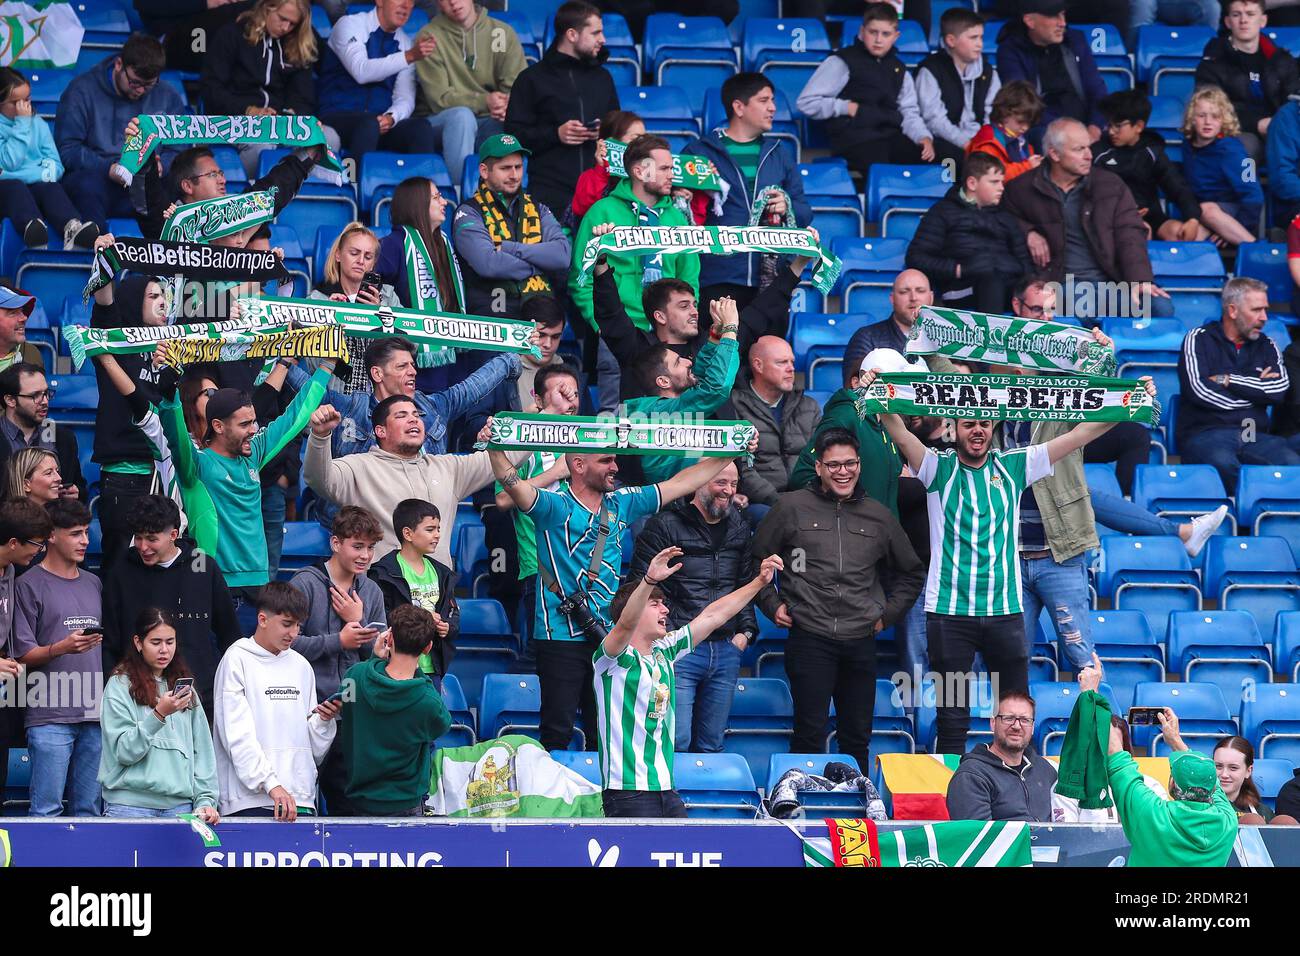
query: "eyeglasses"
135, 83
209, 392
215, 173
836, 466
34, 544
1032, 309
1017, 721
43, 395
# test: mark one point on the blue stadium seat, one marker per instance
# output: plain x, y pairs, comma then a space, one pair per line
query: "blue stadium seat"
1255, 574
381, 172
1270, 774
912, 45
1129, 652
127, 227
1173, 490
1102, 477
1053, 703
1286, 645
937, 9
906, 184
805, 299
720, 786
1202, 712
470, 554
1266, 261
523, 26
1148, 573
761, 721
873, 301
665, 109
295, 258
73, 393
1146, 341
690, 52
461, 733
106, 25
52, 276
511, 704
837, 207
817, 804
1194, 309
817, 334
1192, 266
17, 783
484, 623
869, 262
1270, 720
1162, 50
305, 542
472, 664
775, 40
585, 762
1167, 118
1268, 502
47, 87
1221, 647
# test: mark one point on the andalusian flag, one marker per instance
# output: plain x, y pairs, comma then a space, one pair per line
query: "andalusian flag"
6, 853
919, 784
954, 843
39, 35
512, 776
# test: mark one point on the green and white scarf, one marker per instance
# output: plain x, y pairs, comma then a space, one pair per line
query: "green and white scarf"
323, 342
433, 329
195, 260
610, 435
161, 129
211, 219
1007, 340
86, 342
717, 241
422, 284
689, 171
1009, 398
760, 205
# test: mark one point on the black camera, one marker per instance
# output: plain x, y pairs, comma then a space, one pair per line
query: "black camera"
574, 607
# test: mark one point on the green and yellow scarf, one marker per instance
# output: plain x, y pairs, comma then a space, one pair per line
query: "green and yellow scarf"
497, 222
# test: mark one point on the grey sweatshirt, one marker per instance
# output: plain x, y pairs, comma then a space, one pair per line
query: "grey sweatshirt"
318, 638
935, 113
820, 100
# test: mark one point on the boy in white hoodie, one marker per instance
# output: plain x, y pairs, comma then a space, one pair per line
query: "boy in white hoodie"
270, 732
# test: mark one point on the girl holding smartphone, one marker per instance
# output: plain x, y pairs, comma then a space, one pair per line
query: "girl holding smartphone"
157, 757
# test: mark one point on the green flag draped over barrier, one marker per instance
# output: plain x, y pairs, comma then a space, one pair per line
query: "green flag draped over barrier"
689, 171
607, 435
1010, 398
717, 241
162, 129
979, 843
1007, 340
210, 219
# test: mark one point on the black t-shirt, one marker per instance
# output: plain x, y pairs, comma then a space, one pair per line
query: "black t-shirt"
913, 515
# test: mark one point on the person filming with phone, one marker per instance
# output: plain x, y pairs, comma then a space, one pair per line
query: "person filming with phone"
158, 758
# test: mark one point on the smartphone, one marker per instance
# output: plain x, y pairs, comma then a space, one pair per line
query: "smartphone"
1144, 716
95, 630
594, 125
184, 685
374, 280
336, 696
377, 626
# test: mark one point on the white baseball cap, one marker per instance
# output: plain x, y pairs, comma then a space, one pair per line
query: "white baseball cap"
891, 360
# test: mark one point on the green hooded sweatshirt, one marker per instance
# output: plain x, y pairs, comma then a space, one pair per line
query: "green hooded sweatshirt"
881, 462
1081, 774
468, 64
387, 733
1170, 832
622, 208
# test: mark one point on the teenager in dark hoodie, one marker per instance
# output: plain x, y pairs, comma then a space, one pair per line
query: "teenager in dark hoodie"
163, 570
410, 575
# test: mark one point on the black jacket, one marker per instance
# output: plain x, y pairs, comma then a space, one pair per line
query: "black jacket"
985, 788
1288, 798
707, 572
1229, 69
1147, 170
1203, 403
193, 590
983, 241
1286, 420
116, 439
65, 448
838, 555
238, 74
767, 314
388, 576
552, 91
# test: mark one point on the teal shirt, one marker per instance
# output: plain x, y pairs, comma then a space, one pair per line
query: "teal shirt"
566, 535
223, 496
715, 375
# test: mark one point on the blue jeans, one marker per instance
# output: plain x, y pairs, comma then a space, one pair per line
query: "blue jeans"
65, 757
706, 682
913, 643
245, 611
122, 811
1176, 13
1226, 451
274, 503
607, 378
458, 133
1120, 514
1063, 588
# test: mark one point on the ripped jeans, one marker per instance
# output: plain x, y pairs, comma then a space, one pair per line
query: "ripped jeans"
1063, 590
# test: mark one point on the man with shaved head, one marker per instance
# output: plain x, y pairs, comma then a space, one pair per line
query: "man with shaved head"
911, 291
785, 417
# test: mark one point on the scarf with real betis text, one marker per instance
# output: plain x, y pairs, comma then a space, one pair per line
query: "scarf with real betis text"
161, 129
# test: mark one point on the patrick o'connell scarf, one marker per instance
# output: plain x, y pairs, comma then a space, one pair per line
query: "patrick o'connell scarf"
635, 435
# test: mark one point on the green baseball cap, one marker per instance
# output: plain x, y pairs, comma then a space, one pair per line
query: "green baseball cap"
1194, 774
502, 144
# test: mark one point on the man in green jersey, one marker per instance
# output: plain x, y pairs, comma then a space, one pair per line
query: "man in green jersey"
972, 599
635, 686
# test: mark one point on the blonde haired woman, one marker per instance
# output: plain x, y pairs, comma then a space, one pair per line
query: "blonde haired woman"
1218, 169
261, 65
352, 256
33, 473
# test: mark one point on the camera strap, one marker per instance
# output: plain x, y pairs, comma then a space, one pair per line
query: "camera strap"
592, 571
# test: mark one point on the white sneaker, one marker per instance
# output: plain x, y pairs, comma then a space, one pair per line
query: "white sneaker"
79, 235
1203, 527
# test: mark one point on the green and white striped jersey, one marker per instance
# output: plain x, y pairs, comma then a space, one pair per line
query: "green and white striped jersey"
974, 529
635, 713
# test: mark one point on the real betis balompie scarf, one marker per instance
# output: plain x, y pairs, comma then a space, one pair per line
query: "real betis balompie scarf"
1010, 398
325, 341
860, 843
161, 129
432, 329
1007, 340
196, 260
86, 342
608, 435
689, 171
717, 241
211, 219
